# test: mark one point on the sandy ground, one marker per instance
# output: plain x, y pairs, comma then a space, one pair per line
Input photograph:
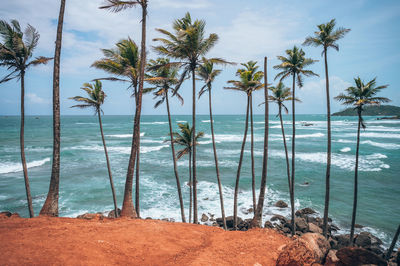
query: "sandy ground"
69, 241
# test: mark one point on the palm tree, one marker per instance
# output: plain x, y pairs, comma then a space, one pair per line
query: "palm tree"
257, 219
16, 49
294, 65
127, 205
185, 139
359, 96
280, 94
50, 206
95, 99
249, 82
123, 63
208, 74
188, 45
327, 36
163, 78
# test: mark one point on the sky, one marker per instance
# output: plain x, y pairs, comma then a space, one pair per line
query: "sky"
247, 30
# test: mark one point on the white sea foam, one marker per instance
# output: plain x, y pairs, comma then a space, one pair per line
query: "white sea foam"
181, 121
206, 121
345, 149
146, 149
314, 135
124, 135
81, 123
373, 135
155, 123
12, 167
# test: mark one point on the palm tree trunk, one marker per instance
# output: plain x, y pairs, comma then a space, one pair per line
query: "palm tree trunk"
178, 183
293, 154
221, 196
235, 198
108, 165
253, 178
257, 219
137, 183
127, 206
390, 250
50, 206
22, 147
286, 150
190, 187
328, 159
353, 218
195, 216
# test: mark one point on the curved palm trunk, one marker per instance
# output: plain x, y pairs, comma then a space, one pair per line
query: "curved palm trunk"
328, 159
293, 155
190, 187
22, 147
127, 206
221, 196
353, 218
108, 165
178, 183
253, 178
195, 216
235, 199
50, 206
137, 183
390, 250
286, 151
257, 219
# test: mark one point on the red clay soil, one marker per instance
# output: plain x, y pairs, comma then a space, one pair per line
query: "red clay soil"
69, 241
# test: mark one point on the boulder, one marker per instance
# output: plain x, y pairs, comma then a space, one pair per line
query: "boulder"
366, 240
111, 214
204, 218
268, 224
91, 216
314, 228
307, 250
358, 226
301, 224
331, 259
342, 241
355, 256
305, 212
229, 221
279, 218
5, 214
281, 204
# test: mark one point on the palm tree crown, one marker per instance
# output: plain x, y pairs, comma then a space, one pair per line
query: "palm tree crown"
162, 76
95, 97
123, 62
185, 138
250, 78
281, 94
207, 73
361, 95
294, 64
327, 36
17, 48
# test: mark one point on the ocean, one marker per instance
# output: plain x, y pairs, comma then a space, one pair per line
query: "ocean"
84, 184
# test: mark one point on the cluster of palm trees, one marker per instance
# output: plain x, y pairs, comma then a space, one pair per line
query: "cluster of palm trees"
184, 50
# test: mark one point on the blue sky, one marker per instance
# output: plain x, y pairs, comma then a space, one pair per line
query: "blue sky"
248, 30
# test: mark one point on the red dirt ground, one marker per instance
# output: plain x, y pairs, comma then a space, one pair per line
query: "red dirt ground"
69, 241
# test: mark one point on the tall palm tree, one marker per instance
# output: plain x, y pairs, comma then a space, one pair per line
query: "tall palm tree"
249, 81
359, 96
327, 36
16, 50
163, 78
123, 63
185, 139
116, 6
293, 65
281, 94
188, 45
257, 219
50, 206
95, 100
208, 74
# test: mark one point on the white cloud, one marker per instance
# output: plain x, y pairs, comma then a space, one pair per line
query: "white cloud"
33, 98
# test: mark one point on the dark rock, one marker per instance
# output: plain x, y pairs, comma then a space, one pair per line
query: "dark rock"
229, 221
365, 240
111, 214
314, 228
315, 220
165, 219
286, 230
358, 226
334, 228
281, 204
149, 218
172, 220
301, 224
91, 216
268, 224
342, 241
279, 218
204, 218
244, 225
358, 256
5, 214
304, 212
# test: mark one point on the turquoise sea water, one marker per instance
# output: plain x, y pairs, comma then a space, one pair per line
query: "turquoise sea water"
84, 185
